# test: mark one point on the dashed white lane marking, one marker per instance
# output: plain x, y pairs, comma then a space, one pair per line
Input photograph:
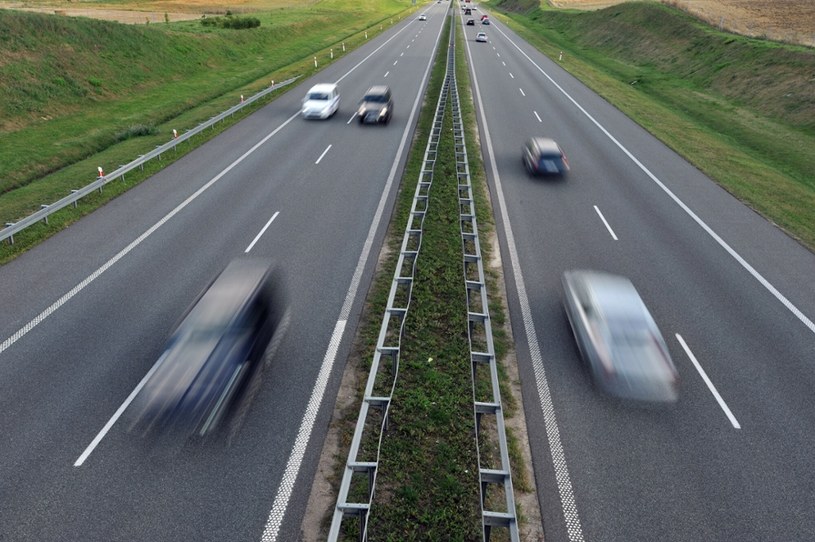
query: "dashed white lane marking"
710, 385
510, 74
537, 116
504, 63
735, 255
322, 155
606, 223
133, 244
395, 62
284, 491
522, 92
564, 483
402, 54
355, 113
260, 233
386, 73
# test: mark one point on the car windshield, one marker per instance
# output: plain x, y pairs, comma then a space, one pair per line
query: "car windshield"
376, 98
318, 96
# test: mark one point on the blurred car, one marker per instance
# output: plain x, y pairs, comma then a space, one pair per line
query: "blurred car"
321, 101
213, 350
481, 36
485, 21
618, 338
542, 156
376, 106
422, 17
484, 16
470, 22
468, 11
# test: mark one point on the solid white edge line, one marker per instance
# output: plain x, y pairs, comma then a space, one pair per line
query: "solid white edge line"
260, 233
323, 155
749, 268
14, 338
284, 491
710, 385
606, 223
537, 116
564, 483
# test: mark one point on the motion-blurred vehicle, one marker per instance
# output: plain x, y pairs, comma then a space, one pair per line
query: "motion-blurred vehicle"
485, 21
484, 16
423, 17
376, 106
618, 338
468, 11
321, 101
218, 344
470, 22
543, 156
481, 36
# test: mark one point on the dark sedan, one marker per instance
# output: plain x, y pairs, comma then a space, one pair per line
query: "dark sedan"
376, 106
618, 338
543, 156
215, 348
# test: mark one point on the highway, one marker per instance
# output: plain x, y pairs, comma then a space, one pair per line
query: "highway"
733, 296
85, 315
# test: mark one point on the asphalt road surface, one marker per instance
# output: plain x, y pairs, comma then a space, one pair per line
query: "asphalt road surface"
733, 296
84, 316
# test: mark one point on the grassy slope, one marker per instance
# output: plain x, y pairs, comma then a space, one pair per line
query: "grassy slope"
73, 86
740, 109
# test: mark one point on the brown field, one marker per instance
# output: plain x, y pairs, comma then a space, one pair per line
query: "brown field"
792, 21
139, 11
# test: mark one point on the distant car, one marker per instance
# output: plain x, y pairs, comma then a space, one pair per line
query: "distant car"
481, 36
484, 17
618, 338
217, 345
470, 22
422, 17
485, 21
321, 101
376, 106
543, 156
468, 11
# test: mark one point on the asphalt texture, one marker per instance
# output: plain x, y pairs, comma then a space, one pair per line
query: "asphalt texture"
84, 317
611, 470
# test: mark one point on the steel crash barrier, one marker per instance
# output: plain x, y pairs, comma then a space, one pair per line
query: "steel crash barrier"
361, 466
45, 211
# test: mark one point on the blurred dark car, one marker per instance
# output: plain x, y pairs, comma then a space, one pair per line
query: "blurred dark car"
470, 22
484, 20
618, 338
376, 106
542, 155
217, 345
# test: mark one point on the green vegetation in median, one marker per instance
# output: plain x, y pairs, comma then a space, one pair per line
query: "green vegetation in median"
740, 109
80, 93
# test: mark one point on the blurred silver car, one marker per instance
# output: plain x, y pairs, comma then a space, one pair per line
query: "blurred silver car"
211, 353
618, 338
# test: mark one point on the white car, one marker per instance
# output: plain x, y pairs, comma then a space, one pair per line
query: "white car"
481, 36
422, 17
321, 101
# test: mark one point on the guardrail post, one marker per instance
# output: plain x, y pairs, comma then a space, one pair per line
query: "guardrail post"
11, 237
46, 216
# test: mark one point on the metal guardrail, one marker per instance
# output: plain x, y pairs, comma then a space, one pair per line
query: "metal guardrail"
480, 334
374, 410
47, 210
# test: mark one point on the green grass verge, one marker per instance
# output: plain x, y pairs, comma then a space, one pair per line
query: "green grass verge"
192, 78
739, 109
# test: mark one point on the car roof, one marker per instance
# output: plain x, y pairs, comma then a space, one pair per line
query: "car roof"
544, 144
612, 295
323, 87
378, 89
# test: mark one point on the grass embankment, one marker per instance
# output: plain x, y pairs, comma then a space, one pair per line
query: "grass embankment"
81, 93
427, 485
741, 109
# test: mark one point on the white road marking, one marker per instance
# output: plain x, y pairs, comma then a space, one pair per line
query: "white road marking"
606, 223
710, 385
408, 46
537, 116
260, 233
322, 155
510, 74
355, 113
504, 63
564, 483
386, 73
402, 54
395, 62
76, 289
281, 502
735, 255
522, 92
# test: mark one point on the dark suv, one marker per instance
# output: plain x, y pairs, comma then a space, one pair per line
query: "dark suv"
376, 106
